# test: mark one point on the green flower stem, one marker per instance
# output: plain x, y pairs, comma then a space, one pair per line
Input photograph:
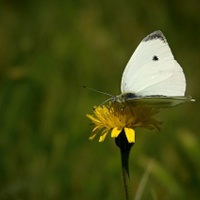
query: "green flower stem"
125, 173
125, 147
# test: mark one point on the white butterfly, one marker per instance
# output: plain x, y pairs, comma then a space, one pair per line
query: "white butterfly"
152, 76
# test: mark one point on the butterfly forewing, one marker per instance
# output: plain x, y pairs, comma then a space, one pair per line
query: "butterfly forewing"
152, 69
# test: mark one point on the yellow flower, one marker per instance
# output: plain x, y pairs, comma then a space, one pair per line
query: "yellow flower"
116, 117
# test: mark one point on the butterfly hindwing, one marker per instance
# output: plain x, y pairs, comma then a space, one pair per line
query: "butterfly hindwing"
159, 102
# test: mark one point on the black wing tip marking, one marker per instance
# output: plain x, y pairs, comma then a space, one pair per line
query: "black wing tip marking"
154, 36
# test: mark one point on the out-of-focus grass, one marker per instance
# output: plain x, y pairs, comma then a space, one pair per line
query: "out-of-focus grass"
48, 50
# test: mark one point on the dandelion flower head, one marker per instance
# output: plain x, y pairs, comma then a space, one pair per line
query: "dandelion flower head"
117, 117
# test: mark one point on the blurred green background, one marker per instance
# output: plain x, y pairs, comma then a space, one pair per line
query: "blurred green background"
48, 50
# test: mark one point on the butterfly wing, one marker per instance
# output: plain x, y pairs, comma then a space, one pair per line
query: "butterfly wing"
152, 69
158, 102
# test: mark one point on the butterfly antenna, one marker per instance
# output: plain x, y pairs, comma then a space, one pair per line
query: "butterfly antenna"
98, 91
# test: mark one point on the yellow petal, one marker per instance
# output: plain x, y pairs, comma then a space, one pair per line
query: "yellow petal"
92, 118
92, 137
103, 135
115, 132
94, 132
96, 128
130, 135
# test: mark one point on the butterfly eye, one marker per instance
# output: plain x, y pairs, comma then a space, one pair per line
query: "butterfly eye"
155, 58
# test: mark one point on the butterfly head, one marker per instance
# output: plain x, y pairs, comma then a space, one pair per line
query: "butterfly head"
124, 97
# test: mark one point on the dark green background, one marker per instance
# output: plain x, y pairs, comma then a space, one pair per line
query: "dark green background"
48, 50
